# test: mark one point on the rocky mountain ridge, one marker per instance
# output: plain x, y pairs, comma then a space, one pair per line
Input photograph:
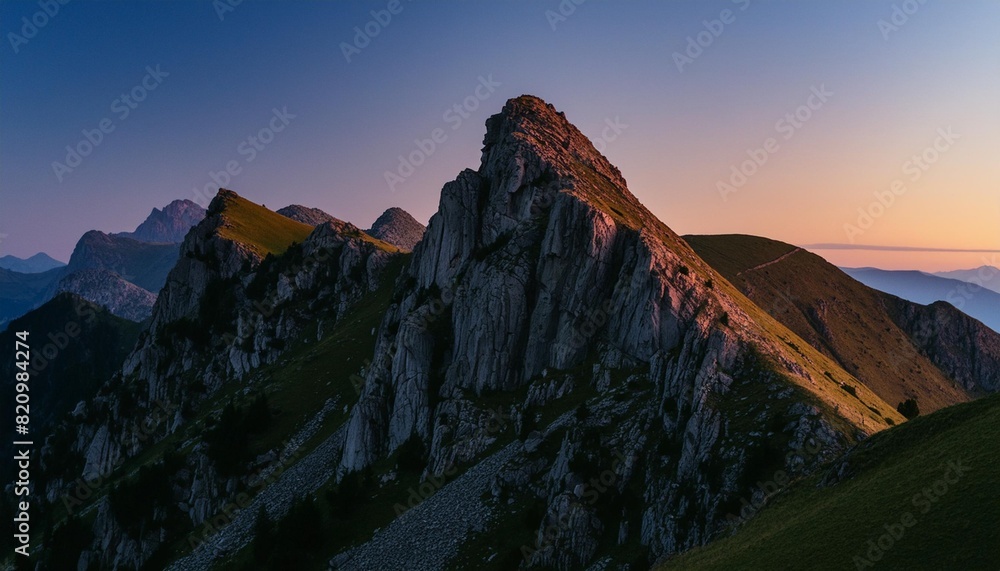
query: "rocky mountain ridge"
108, 289
863, 329
307, 215
398, 228
169, 225
551, 379
542, 262
226, 309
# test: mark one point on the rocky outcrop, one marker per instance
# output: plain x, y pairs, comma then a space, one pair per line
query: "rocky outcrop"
225, 311
168, 225
398, 228
541, 262
965, 349
110, 290
144, 264
306, 215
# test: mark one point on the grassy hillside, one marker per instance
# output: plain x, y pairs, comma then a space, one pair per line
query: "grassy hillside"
265, 231
898, 478
842, 318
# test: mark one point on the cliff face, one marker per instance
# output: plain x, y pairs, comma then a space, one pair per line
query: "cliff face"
144, 264
225, 311
540, 275
962, 347
110, 290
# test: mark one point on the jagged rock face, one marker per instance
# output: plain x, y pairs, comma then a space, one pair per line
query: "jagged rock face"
306, 215
168, 225
962, 347
144, 264
110, 290
542, 261
398, 228
223, 312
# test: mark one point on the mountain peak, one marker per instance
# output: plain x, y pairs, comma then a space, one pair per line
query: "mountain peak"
40, 262
170, 224
253, 225
307, 215
530, 131
398, 228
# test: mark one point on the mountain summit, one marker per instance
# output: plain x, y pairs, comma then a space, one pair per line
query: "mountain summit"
398, 228
542, 276
306, 215
168, 225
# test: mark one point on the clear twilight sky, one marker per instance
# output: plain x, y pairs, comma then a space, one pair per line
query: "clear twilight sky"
885, 86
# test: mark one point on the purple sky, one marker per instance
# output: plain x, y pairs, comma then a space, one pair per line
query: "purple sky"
838, 102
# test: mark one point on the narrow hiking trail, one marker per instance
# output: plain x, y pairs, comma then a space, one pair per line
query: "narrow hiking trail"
774, 261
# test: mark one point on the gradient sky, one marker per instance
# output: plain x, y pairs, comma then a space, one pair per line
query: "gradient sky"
605, 62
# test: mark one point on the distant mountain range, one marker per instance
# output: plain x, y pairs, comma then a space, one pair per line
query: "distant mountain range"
40, 262
926, 289
124, 271
985, 276
120, 271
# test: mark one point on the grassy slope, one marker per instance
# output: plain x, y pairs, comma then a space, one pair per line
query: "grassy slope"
265, 231
839, 316
807, 527
866, 410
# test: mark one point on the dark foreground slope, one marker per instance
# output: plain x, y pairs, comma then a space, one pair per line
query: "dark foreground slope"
919, 496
